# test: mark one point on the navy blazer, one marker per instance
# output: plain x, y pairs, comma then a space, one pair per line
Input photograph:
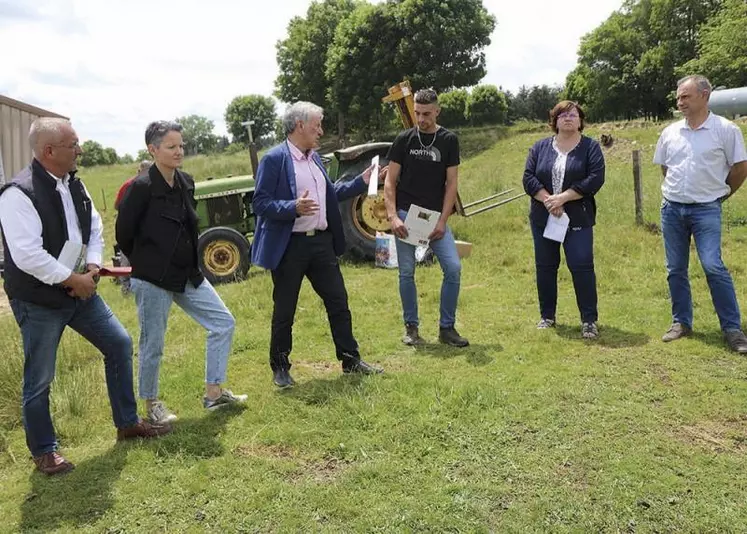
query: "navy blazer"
584, 173
274, 203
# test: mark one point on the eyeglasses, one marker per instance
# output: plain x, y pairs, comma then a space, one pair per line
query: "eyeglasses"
568, 115
74, 146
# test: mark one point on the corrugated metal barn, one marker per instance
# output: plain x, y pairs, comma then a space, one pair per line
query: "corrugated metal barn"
15, 120
15, 153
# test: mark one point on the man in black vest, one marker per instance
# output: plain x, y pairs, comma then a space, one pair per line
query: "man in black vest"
42, 209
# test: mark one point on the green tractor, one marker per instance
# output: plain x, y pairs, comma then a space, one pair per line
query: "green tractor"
227, 220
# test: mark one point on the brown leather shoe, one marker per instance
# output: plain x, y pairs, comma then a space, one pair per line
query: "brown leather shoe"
143, 429
52, 463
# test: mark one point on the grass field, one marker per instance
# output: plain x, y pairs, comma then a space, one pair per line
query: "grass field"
524, 431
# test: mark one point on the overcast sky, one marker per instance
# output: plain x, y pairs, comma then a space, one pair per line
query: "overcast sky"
115, 65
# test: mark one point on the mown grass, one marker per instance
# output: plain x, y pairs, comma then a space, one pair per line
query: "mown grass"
524, 431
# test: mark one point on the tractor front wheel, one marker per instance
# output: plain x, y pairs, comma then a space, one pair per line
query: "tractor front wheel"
223, 255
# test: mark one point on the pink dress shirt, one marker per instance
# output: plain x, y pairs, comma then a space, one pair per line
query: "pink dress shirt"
309, 177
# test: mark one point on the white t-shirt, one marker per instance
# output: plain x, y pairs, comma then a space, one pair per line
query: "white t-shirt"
698, 161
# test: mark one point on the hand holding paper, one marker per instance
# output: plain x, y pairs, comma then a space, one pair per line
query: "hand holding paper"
420, 223
556, 227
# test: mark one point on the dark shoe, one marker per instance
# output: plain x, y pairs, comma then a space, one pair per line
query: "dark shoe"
52, 463
737, 341
450, 336
356, 365
589, 330
143, 429
282, 378
676, 331
545, 323
412, 336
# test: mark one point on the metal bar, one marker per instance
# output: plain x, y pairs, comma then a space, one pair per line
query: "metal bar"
486, 208
491, 197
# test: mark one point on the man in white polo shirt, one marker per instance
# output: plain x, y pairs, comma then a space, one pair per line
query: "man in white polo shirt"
704, 162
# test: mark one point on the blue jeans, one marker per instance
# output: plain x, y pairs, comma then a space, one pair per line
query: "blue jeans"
204, 305
579, 255
41, 330
446, 252
703, 222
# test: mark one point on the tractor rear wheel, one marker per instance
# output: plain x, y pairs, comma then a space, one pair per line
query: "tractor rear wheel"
363, 216
223, 255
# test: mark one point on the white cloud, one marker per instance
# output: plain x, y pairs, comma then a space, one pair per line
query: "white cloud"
115, 65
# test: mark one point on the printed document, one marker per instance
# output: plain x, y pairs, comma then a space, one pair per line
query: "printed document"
420, 222
557, 227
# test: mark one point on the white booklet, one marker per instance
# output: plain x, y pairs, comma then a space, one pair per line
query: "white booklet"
420, 222
73, 256
557, 227
373, 183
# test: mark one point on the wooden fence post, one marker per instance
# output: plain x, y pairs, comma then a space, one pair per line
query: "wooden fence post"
637, 187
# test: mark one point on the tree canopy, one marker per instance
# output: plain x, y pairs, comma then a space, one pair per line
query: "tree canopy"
345, 53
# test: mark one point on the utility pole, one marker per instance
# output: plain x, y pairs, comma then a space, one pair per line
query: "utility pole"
252, 147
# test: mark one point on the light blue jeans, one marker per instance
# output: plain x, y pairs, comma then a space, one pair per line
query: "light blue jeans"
201, 303
680, 223
448, 257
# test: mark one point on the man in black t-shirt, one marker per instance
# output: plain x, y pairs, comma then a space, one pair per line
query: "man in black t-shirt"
423, 165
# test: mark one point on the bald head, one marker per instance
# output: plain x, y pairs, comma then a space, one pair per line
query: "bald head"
55, 144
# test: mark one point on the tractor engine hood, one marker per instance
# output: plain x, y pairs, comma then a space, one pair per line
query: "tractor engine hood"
218, 187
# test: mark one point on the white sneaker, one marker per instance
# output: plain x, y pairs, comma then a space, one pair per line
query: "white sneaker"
160, 415
226, 397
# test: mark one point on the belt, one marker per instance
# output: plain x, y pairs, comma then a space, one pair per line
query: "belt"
310, 233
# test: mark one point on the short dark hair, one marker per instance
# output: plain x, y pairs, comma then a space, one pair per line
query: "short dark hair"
157, 130
426, 96
562, 107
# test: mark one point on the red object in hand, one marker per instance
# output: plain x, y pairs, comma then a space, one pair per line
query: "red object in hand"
115, 271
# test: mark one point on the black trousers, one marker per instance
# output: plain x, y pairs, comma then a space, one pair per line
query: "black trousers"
312, 257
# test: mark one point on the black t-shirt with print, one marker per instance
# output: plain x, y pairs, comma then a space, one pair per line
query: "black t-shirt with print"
422, 180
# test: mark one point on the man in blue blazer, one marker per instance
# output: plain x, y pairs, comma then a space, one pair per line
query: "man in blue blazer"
299, 234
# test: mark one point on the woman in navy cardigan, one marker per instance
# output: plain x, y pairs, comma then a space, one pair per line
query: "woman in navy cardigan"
562, 174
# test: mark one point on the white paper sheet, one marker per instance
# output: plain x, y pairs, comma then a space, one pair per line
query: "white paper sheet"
556, 227
420, 222
373, 184
73, 256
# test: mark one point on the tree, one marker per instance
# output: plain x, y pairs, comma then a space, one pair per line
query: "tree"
518, 105
453, 108
143, 155
541, 100
260, 108
198, 135
441, 42
360, 66
626, 66
302, 55
110, 156
93, 154
127, 159
487, 105
436, 43
722, 48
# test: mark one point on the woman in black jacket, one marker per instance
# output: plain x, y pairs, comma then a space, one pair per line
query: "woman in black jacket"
562, 175
157, 230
